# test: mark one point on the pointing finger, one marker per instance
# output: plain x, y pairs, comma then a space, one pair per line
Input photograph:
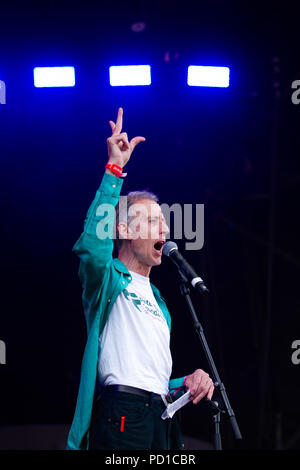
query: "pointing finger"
119, 122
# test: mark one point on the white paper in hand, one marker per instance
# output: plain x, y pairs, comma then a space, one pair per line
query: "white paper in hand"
176, 405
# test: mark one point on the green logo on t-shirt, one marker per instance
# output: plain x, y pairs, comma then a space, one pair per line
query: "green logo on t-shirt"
143, 305
133, 297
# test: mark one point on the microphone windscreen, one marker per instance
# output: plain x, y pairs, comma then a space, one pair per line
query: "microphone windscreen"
168, 247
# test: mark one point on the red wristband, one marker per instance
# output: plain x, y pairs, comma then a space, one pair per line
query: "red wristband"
116, 169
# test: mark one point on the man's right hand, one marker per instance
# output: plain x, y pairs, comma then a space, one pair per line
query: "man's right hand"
119, 149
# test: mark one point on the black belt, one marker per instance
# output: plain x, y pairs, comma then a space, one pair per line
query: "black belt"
136, 391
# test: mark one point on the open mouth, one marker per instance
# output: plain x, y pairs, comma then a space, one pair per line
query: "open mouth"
158, 245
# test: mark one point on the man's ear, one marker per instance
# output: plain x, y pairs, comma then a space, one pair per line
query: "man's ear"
125, 231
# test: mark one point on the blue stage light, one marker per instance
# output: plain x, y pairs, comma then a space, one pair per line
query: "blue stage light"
129, 75
199, 75
2, 92
54, 76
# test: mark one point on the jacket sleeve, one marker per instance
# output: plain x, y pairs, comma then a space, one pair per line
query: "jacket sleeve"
176, 388
95, 245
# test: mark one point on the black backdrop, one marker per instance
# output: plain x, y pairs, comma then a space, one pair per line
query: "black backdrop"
235, 150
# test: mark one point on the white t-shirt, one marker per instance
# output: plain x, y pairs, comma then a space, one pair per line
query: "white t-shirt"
135, 342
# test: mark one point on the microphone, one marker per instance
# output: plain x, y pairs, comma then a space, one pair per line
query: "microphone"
171, 249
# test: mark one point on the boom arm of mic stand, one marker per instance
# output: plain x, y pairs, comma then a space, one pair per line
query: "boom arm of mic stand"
185, 291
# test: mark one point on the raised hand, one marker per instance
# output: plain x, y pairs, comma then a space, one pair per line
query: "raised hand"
119, 148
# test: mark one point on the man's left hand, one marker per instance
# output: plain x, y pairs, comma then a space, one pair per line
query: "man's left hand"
199, 384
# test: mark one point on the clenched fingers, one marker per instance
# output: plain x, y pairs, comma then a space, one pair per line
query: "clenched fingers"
200, 385
206, 387
211, 392
121, 140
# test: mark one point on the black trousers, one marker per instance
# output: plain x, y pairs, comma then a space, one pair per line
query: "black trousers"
123, 421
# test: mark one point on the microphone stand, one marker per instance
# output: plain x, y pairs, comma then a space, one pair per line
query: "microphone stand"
219, 386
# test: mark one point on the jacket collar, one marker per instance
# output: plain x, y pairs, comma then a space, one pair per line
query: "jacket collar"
120, 266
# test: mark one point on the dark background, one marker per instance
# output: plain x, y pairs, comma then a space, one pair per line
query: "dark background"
236, 150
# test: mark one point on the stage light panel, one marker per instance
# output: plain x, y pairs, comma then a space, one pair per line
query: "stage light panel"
129, 75
200, 75
54, 77
2, 92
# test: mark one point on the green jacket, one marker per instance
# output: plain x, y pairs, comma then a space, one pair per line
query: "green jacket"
103, 278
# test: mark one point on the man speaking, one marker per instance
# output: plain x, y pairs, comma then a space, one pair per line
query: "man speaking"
125, 374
